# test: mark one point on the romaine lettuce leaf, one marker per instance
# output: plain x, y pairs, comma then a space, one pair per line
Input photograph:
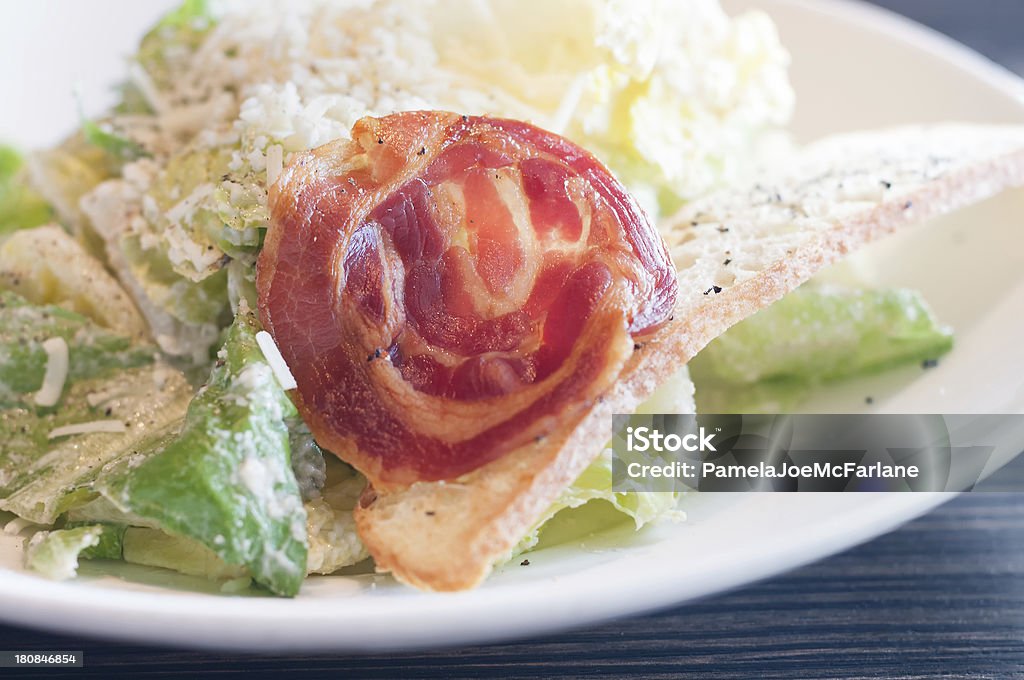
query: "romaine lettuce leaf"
595, 484
816, 333
108, 379
43, 477
592, 491
47, 266
66, 173
225, 479
154, 548
198, 303
54, 554
184, 316
110, 545
20, 205
333, 541
93, 351
173, 38
115, 145
163, 50
206, 208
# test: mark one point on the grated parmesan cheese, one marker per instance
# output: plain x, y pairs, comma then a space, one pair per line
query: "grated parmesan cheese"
275, 163
56, 372
15, 526
113, 426
273, 355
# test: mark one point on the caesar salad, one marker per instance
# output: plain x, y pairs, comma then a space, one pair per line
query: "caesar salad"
152, 409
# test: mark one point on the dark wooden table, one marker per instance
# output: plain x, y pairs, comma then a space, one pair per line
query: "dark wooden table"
941, 597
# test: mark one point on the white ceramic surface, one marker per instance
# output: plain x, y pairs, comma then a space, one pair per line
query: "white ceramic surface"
854, 66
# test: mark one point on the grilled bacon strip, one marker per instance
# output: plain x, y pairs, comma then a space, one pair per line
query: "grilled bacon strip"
447, 289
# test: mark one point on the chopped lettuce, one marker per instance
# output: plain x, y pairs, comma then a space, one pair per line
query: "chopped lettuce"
195, 303
592, 491
20, 205
108, 379
54, 554
595, 484
116, 145
154, 548
173, 39
47, 266
66, 173
188, 247
110, 545
225, 479
817, 333
307, 459
204, 209
93, 351
41, 477
333, 541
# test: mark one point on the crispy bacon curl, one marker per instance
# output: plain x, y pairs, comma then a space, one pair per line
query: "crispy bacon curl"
447, 289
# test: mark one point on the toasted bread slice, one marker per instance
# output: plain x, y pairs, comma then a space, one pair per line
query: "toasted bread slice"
736, 252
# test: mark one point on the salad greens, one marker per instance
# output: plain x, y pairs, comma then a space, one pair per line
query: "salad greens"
21, 206
178, 33
110, 142
595, 484
55, 554
42, 472
93, 351
770, 361
133, 244
225, 478
47, 266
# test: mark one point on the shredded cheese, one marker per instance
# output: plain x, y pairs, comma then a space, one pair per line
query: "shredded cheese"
56, 372
275, 163
112, 426
277, 365
14, 527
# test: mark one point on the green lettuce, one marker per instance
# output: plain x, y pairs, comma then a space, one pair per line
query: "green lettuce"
108, 379
174, 38
66, 173
20, 205
47, 266
595, 484
41, 476
54, 554
591, 504
225, 479
817, 333
110, 545
93, 352
116, 145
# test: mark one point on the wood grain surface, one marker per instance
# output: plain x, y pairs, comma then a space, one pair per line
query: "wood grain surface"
941, 597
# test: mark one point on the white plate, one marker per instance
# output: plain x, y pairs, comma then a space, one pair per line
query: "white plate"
854, 66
